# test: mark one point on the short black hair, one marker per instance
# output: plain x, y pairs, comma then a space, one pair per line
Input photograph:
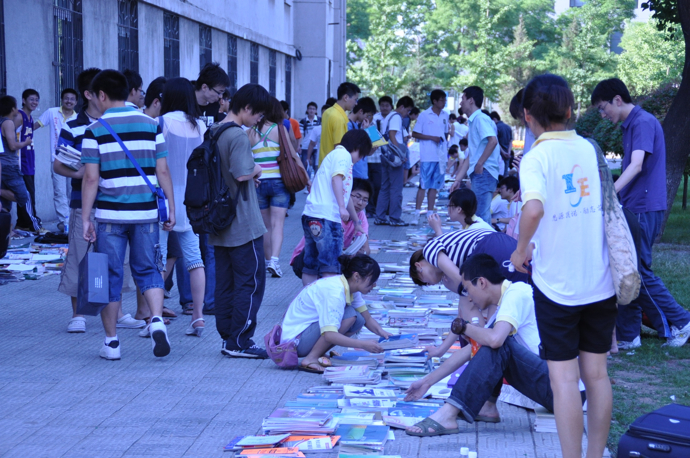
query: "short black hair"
452, 116
134, 80
330, 101
285, 105
69, 90
510, 182
486, 112
463, 141
516, 105
347, 88
357, 139
178, 95
437, 94
548, 99
453, 149
312, 104
405, 101
212, 75
415, 111
606, 90
386, 99
360, 184
495, 116
365, 104
227, 95
7, 104
482, 265
112, 83
155, 91
28, 93
417, 256
325, 107
84, 83
361, 263
254, 95
475, 93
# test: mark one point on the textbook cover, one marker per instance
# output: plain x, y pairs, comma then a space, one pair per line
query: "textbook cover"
375, 136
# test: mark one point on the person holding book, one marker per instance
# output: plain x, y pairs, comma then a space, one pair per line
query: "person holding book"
329, 205
562, 234
462, 208
509, 349
331, 310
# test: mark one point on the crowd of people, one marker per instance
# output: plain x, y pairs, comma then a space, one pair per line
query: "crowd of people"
543, 324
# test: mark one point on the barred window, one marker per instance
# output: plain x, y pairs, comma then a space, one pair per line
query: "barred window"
128, 35
205, 46
288, 79
3, 64
232, 63
68, 50
171, 45
254, 64
272, 72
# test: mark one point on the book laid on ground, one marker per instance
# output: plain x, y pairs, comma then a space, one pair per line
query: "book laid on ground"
399, 341
368, 392
307, 444
262, 441
362, 438
545, 421
274, 452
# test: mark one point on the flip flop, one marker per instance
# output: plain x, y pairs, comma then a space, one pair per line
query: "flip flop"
486, 419
324, 361
310, 369
429, 423
169, 313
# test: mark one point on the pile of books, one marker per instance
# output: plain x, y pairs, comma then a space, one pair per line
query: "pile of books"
352, 374
362, 439
545, 421
69, 156
300, 420
399, 341
280, 445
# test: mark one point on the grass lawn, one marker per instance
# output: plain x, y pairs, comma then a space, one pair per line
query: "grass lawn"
647, 379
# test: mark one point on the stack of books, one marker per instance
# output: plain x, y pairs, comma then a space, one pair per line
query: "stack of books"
302, 421
362, 439
352, 374
409, 317
69, 156
399, 341
545, 421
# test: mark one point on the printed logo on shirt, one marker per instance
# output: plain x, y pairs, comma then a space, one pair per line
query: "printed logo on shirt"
576, 176
315, 228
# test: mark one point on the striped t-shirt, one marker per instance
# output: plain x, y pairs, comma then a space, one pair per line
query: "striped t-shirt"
457, 245
266, 154
72, 134
123, 196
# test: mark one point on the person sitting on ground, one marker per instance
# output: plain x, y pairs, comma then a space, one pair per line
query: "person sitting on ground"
509, 349
461, 208
331, 310
361, 190
453, 160
329, 204
507, 190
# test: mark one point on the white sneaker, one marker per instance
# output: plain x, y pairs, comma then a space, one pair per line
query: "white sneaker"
129, 322
274, 268
159, 337
679, 336
111, 351
415, 219
636, 343
77, 324
146, 332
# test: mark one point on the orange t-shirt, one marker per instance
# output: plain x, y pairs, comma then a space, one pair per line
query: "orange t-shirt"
295, 128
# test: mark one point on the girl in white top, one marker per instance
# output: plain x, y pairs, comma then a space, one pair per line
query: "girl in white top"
461, 208
562, 233
330, 310
183, 132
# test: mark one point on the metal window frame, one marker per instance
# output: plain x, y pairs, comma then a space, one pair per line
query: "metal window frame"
3, 61
232, 63
68, 44
171, 45
205, 45
272, 71
128, 35
288, 79
254, 63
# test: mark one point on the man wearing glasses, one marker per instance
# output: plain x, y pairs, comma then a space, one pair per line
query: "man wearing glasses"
135, 99
209, 88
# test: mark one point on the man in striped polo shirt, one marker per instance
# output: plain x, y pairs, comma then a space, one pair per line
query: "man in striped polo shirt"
126, 209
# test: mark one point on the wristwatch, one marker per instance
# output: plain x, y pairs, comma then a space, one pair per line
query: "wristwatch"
458, 326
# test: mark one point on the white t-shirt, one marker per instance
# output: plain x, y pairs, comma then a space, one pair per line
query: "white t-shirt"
499, 209
430, 123
55, 121
478, 224
321, 202
394, 122
516, 307
460, 133
570, 262
322, 302
315, 136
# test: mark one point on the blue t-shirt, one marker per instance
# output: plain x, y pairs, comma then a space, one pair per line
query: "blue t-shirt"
481, 128
647, 191
360, 169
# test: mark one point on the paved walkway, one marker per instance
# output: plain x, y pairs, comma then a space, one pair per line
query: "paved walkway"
59, 399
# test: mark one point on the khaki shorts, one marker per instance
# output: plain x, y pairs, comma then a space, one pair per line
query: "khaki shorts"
69, 277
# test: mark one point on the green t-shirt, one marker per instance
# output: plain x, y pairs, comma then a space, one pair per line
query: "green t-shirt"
237, 160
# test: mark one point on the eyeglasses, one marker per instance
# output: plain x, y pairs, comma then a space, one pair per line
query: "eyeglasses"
142, 92
601, 107
360, 197
220, 93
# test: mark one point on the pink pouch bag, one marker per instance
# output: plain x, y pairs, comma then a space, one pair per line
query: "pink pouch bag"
285, 354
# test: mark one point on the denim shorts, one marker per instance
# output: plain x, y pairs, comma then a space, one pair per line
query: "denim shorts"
145, 258
430, 175
323, 245
309, 336
272, 193
12, 180
189, 244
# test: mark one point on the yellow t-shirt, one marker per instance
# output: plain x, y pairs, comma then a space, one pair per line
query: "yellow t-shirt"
333, 127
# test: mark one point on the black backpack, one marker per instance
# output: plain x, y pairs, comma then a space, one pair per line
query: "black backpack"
210, 208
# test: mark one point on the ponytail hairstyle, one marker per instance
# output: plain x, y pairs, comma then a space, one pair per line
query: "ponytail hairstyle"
466, 200
548, 100
364, 265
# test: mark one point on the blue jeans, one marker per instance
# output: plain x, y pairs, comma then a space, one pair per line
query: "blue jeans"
524, 370
323, 244
12, 180
390, 197
272, 193
483, 186
208, 253
654, 299
145, 258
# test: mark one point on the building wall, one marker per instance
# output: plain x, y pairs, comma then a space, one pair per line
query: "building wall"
314, 27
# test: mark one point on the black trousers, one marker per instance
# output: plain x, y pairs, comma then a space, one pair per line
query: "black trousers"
240, 284
375, 176
24, 219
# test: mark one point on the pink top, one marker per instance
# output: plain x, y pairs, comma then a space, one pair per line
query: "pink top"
348, 234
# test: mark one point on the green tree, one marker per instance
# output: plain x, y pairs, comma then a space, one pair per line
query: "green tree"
358, 23
652, 57
520, 65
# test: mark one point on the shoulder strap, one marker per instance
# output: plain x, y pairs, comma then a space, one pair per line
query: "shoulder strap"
388, 126
223, 127
129, 155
